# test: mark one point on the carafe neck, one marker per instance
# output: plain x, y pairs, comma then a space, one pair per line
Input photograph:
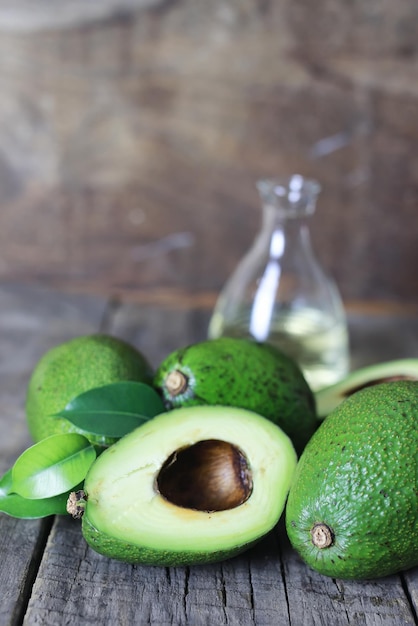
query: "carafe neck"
288, 199
287, 205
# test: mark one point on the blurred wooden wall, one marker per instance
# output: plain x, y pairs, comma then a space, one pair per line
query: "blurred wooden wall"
131, 140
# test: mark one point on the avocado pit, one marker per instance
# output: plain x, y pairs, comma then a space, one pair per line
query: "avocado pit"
210, 475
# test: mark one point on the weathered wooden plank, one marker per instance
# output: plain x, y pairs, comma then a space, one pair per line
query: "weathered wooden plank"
411, 586
316, 600
21, 17
264, 587
382, 337
139, 135
21, 547
75, 583
248, 589
31, 321
158, 330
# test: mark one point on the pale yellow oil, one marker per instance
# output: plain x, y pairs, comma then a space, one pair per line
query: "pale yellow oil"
316, 341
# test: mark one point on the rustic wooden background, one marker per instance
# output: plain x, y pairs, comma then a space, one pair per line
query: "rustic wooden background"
132, 134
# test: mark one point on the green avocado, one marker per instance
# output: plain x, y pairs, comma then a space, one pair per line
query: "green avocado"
352, 511
194, 485
241, 373
73, 367
330, 397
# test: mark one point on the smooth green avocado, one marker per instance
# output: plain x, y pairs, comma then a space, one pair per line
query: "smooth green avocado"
330, 397
194, 485
73, 367
241, 373
352, 511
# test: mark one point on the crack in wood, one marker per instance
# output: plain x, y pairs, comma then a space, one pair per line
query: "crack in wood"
408, 595
32, 571
283, 573
186, 588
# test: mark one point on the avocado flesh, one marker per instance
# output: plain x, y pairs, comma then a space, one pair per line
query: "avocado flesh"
127, 518
330, 397
357, 481
73, 367
245, 374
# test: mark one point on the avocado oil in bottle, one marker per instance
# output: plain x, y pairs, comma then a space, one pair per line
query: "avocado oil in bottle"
280, 294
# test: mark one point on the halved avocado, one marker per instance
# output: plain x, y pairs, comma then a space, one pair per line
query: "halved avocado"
194, 485
330, 397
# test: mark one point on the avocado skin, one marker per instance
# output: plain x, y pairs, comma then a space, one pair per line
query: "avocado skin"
358, 475
244, 374
114, 548
73, 367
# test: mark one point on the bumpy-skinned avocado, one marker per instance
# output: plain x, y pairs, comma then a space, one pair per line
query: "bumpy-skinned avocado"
194, 485
73, 367
241, 373
352, 511
330, 397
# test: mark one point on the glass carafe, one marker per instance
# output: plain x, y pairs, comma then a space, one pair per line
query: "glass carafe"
279, 293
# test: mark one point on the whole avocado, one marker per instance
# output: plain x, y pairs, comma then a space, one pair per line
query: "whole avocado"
244, 374
73, 367
352, 511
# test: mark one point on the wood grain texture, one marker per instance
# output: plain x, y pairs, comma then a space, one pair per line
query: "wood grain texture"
22, 543
158, 331
245, 590
23, 17
373, 339
323, 601
410, 579
31, 321
131, 146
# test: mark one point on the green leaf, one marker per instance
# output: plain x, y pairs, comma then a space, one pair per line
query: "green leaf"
16, 506
52, 466
113, 410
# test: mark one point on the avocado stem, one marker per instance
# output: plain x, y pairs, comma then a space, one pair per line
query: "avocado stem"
176, 383
76, 504
322, 536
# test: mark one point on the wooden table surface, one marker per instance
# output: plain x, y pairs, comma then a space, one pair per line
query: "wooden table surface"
49, 576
